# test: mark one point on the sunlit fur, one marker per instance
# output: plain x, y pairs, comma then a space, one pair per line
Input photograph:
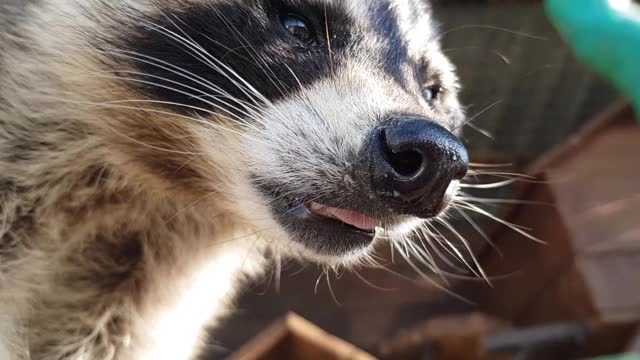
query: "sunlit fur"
125, 226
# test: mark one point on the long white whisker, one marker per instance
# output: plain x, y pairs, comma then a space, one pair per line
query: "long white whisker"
487, 108
333, 295
368, 282
473, 199
249, 111
488, 27
207, 59
504, 222
489, 186
171, 103
254, 54
477, 227
190, 206
251, 114
219, 127
477, 269
278, 271
424, 276
424, 257
176, 70
501, 173
428, 235
451, 249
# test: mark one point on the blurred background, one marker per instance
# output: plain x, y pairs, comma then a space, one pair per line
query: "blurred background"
528, 95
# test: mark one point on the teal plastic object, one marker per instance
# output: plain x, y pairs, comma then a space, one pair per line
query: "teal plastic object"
605, 34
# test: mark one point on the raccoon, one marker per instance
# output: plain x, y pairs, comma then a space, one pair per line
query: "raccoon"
156, 154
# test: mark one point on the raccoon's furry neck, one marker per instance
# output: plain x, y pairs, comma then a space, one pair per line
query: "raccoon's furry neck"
81, 245
96, 261
90, 260
110, 269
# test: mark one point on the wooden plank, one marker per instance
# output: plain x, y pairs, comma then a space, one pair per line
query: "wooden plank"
565, 299
614, 285
453, 337
593, 233
296, 338
531, 267
312, 337
597, 190
263, 343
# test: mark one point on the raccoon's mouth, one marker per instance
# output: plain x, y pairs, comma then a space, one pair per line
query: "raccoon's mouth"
349, 219
325, 228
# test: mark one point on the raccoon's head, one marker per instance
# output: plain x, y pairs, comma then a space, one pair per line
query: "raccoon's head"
326, 123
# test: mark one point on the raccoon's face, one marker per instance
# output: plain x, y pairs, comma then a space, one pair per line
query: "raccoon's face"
326, 123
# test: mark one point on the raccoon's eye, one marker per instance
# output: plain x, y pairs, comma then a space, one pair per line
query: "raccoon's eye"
298, 27
431, 93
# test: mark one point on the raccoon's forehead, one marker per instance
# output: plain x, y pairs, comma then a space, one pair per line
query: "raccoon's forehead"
411, 19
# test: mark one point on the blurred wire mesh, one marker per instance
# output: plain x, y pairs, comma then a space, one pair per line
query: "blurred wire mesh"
510, 55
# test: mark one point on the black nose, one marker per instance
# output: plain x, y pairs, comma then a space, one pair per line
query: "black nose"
414, 160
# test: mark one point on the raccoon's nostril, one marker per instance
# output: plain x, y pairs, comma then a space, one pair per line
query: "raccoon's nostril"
407, 164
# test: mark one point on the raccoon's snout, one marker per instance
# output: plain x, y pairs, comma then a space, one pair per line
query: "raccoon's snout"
413, 161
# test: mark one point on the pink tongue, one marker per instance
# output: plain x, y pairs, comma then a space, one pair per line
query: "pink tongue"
346, 216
